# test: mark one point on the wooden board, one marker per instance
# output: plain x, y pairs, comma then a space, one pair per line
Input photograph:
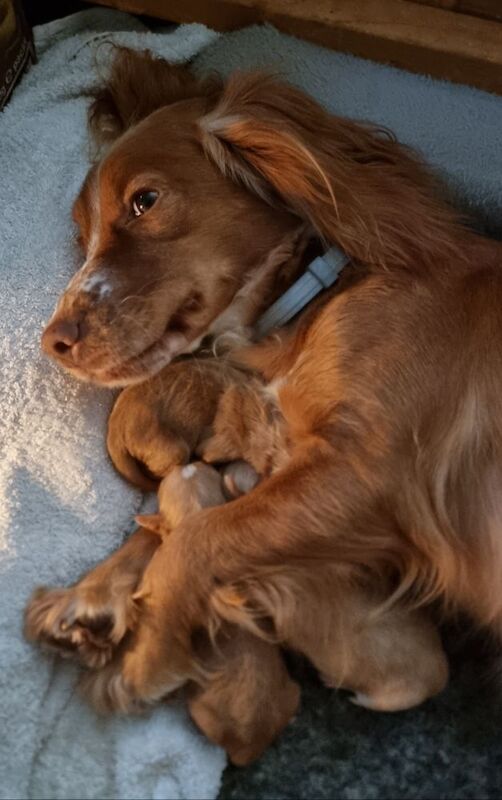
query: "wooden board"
490, 9
409, 34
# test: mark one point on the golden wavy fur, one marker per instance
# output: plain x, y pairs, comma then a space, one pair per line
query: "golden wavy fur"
388, 390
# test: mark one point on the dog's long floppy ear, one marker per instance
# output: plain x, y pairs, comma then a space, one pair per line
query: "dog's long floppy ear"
352, 181
137, 84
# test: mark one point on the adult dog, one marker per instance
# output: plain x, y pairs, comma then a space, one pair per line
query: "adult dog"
389, 390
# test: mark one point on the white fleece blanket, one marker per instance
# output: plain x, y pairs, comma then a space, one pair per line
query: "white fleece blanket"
62, 507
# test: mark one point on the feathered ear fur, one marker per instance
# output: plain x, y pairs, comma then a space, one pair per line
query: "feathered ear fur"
138, 83
354, 183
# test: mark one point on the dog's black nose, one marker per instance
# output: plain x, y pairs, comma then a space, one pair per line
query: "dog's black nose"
59, 337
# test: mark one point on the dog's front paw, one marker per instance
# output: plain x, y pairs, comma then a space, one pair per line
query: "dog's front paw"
82, 622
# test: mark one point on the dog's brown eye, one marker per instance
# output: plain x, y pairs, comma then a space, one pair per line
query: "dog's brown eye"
143, 201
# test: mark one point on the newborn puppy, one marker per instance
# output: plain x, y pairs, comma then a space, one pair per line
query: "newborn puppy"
246, 696
165, 420
248, 699
188, 489
201, 407
184, 491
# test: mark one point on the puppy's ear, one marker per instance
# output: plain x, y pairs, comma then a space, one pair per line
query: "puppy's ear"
138, 83
152, 522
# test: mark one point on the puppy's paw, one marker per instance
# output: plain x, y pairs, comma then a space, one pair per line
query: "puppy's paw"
85, 623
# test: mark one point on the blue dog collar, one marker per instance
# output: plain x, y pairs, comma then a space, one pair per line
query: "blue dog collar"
319, 275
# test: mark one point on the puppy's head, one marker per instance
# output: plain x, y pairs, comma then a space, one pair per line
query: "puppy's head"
248, 699
184, 491
168, 240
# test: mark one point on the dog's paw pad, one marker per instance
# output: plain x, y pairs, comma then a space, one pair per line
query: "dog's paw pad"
101, 625
76, 622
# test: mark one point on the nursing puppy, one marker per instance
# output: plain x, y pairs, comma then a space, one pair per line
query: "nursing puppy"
165, 421
200, 407
247, 698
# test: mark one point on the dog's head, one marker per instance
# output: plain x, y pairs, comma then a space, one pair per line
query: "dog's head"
197, 213
168, 240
